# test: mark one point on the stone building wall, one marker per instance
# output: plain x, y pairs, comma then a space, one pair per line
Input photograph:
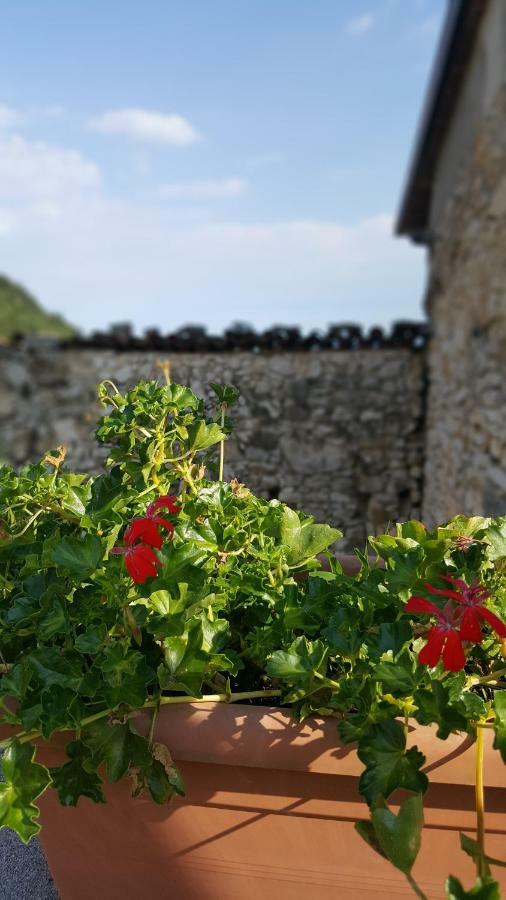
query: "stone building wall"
336, 433
465, 470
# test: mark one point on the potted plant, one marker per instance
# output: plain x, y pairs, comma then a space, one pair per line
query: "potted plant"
155, 626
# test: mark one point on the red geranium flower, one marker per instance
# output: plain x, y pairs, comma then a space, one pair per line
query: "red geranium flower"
163, 502
143, 531
472, 597
444, 640
142, 535
140, 560
138, 542
147, 524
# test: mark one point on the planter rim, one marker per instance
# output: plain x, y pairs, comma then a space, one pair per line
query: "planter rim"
269, 737
263, 737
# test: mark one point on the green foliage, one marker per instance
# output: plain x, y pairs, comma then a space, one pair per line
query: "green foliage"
500, 723
24, 781
484, 889
389, 765
396, 837
239, 605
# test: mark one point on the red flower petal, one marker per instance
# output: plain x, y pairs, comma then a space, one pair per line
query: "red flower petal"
454, 658
141, 563
462, 586
144, 531
493, 620
421, 604
159, 520
443, 593
430, 654
470, 625
164, 502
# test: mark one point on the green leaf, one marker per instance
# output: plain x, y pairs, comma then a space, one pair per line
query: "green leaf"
388, 764
496, 536
78, 554
472, 705
180, 396
484, 889
500, 723
226, 394
118, 746
398, 678
434, 705
399, 836
393, 636
91, 640
25, 780
299, 664
74, 780
202, 436
473, 849
105, 491
51, 668
126, 675
304, 541
53, 620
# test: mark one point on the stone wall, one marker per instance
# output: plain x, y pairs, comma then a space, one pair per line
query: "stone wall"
337, 433
465, 469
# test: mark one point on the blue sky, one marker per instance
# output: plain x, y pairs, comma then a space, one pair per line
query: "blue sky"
174, 161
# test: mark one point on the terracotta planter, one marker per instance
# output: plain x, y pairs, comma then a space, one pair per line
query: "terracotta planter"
269, 813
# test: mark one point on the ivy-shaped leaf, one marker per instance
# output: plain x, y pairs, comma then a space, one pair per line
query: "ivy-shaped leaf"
202, 436
396, 837
398, 678
303, 541
25, 780
74, 779
118, 746
301, 664
434, 705
78, 554
388, 764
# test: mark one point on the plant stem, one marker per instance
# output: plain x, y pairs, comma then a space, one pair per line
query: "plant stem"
222, 444
480, 803
486, 678
152, 724
26, 736
418, 891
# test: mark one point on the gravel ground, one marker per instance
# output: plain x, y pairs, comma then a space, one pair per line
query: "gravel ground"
24, 874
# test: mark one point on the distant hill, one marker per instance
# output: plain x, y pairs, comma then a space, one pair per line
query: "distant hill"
21, 313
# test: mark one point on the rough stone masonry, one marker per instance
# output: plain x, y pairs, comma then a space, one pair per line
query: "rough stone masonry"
339, 434
466, 427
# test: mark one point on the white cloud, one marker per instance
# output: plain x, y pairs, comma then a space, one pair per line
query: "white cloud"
9, 117
101, 261
34, 169
146, 125
211, 189
361, 24
98, 260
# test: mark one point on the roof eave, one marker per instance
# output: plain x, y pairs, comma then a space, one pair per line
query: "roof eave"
453, 54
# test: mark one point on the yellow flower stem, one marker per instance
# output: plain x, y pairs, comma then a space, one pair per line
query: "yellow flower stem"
480, 802
222, 444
